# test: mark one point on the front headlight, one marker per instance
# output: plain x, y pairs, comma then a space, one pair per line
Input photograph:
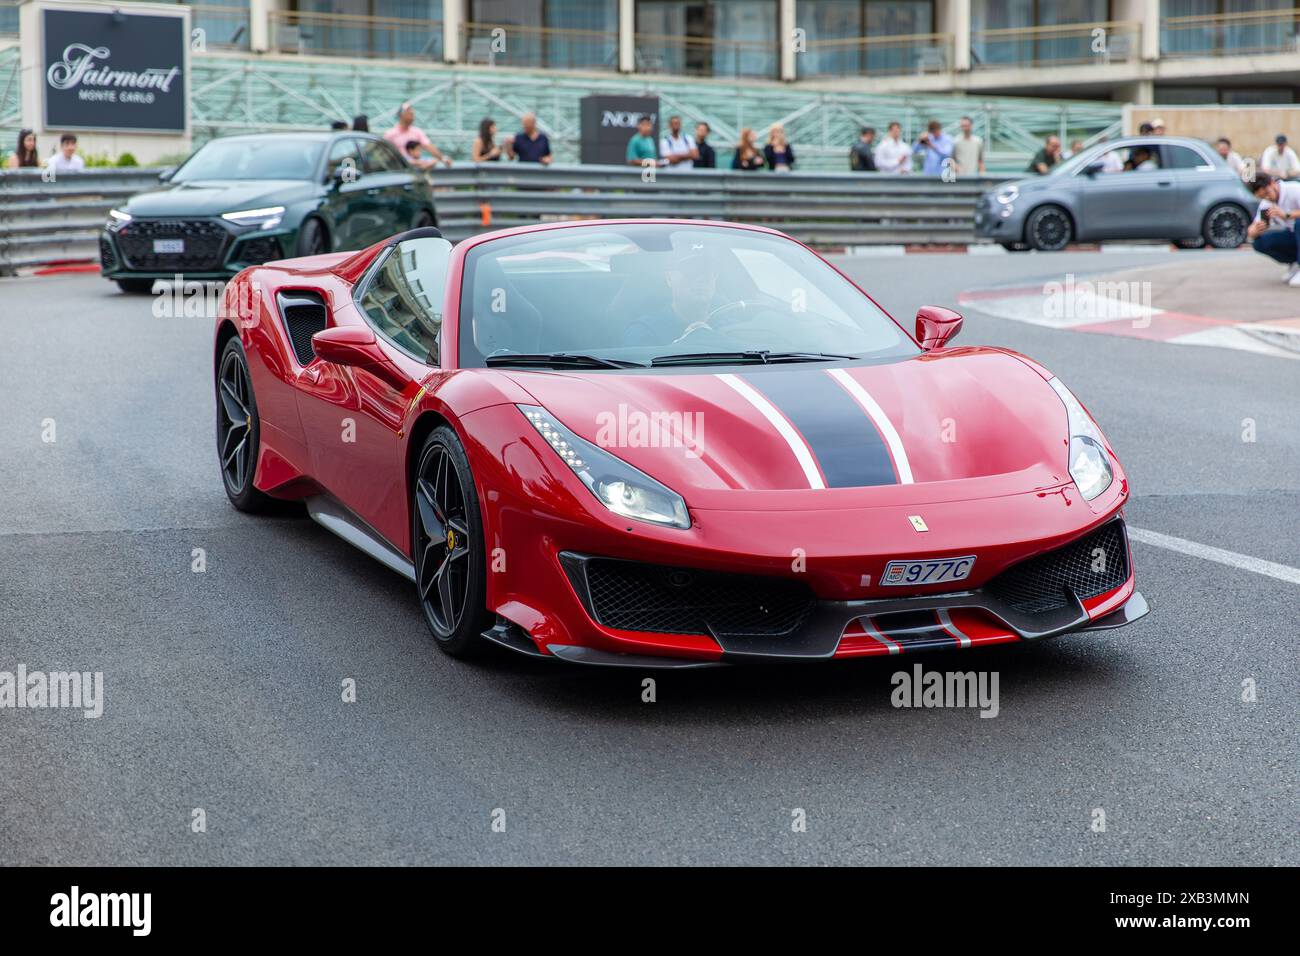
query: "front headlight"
1089, 466
621, 488
1007, 195
116, 220
267, 218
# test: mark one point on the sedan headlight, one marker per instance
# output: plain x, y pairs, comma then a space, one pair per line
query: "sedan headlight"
116, 220
1007, 195
621, 488
1089, 466
267, 218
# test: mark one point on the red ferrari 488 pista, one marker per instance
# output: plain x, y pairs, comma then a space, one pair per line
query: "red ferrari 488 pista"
667, 443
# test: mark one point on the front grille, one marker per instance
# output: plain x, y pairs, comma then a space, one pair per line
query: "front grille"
304, 315
630, 596
205, 245
107, 258
1095, 564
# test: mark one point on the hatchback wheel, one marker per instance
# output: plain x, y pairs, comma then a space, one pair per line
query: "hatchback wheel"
1049, 229
1225, 226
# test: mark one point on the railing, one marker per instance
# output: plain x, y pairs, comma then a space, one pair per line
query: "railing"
8, 18
224, 27
1113, 41
58, 220
1231, 34
340, 34
496, 44
702, 56
867, 56
823, 209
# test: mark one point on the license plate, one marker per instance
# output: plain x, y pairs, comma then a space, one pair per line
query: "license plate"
169, 246
931, 571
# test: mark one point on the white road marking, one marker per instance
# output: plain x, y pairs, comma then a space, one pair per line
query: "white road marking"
877, 415
1204, 551
792, 438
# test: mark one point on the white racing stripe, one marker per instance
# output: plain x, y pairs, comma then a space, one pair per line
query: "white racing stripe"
877, 415
952, 629
1204, 551
870, 628
792, 438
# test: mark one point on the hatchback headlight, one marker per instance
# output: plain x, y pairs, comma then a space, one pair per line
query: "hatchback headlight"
1007, 195
116, 220
267, 218
622, 489
1089, 466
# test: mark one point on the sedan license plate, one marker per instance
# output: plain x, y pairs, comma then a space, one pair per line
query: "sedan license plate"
931, 571
169, 246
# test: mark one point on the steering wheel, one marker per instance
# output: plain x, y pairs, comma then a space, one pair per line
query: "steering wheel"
728, 309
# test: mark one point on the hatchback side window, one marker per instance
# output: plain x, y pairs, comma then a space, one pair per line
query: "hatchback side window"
1181, 157
403, 300
343, 155
381, 158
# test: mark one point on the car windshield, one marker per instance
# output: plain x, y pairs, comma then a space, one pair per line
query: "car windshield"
665, 294
253, 158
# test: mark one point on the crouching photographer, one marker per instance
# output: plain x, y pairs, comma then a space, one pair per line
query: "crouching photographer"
1273, 231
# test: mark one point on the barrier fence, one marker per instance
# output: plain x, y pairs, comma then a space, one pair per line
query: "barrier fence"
46, 222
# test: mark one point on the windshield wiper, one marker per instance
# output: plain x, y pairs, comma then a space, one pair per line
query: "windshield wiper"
753, 357
559, 360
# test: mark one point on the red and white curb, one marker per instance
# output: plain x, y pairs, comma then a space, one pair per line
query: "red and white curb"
1091, 312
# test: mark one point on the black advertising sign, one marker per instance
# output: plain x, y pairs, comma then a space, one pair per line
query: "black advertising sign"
114, 71
608, 122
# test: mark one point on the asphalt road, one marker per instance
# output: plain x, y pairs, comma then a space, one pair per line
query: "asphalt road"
223, 687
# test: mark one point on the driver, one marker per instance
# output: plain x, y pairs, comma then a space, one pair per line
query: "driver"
692, 281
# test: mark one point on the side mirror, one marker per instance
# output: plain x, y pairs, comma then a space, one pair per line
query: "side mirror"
1092, 169
356, 347
935, 326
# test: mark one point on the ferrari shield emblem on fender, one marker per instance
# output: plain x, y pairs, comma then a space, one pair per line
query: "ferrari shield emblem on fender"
918, 523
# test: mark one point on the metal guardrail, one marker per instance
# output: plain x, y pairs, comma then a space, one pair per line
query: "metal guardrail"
58, 220
822, 209
44, 222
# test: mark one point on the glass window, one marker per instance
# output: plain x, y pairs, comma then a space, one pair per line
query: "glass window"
254, 157
1004, 47
707, 37
1180, 157
403, 300
380, 157
343, 152
637, 292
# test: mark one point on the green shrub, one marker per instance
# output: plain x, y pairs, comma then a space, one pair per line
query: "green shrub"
126, 159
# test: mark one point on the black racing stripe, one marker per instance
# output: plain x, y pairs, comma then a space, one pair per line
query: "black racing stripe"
916, 630
843, 438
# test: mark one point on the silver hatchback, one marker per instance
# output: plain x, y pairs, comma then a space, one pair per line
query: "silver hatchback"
1138, 187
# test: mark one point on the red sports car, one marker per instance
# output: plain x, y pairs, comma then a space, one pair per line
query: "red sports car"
667, 443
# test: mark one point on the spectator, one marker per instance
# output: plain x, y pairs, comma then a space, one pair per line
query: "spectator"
25, 156
338, 125
641, 147
1140, 160
1279, 160
66, 159
1076, 147
708, 156
361, 123
893, 155
1157, 127
862, 155
485, 149
1047, 157
935, 149
405, 130
968, 150
676, 149
1145, 129
778, 153
412, 153
747, 157
1279, 204
1224, 146
530, 144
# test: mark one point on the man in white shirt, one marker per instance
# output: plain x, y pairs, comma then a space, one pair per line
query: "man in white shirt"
676, 148
968, 150
1230, 156
1280, 160
1279, 206
66, 159
893, 155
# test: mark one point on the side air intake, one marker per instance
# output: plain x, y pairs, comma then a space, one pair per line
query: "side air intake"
304, 314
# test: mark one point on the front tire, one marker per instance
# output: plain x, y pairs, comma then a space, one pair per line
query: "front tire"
1225, 226
239, 430
312, 238
1049, 229
135, 286
447, 546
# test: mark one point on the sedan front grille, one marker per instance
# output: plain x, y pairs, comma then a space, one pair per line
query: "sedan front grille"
205, 243
1092, 565
629, 596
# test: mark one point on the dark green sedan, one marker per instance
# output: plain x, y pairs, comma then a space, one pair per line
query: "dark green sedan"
245, 200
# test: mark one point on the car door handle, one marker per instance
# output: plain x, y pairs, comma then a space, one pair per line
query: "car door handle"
1164, 182
408, 187
372, 191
